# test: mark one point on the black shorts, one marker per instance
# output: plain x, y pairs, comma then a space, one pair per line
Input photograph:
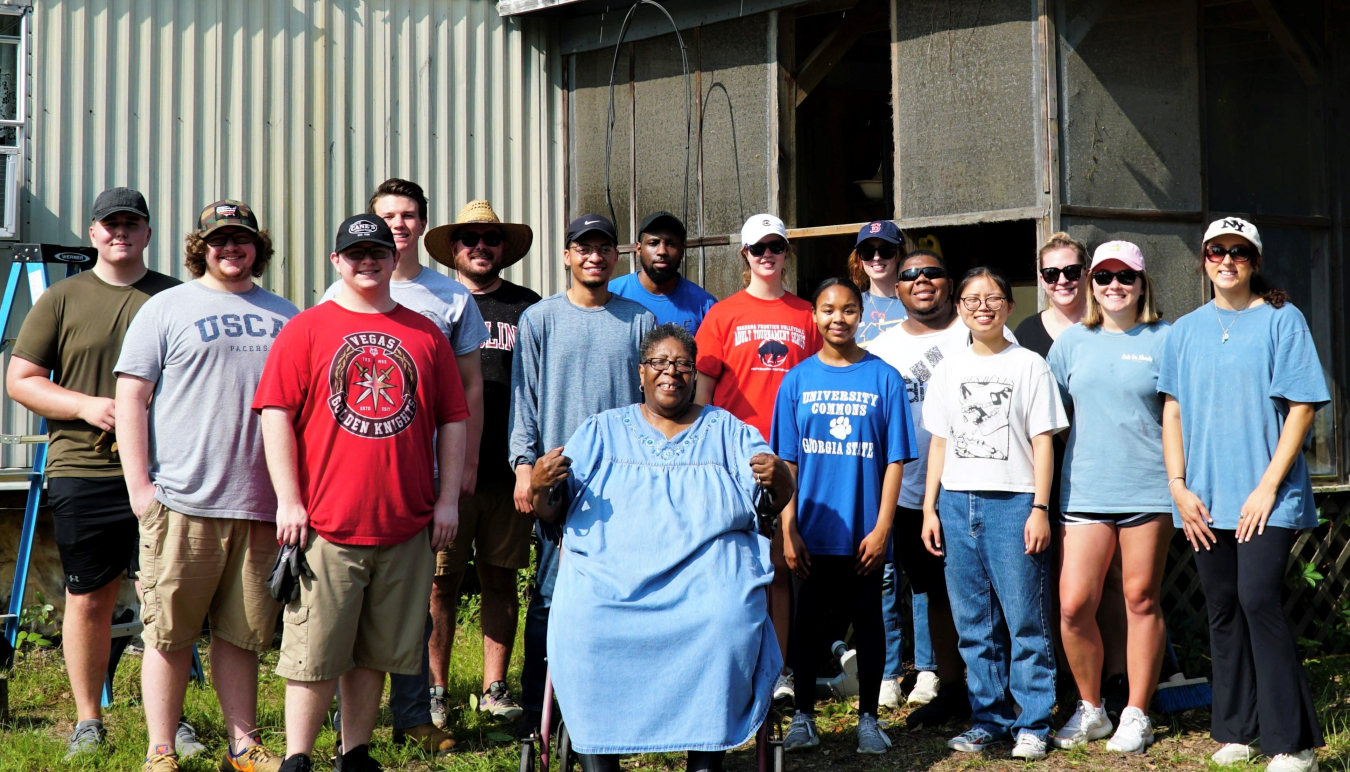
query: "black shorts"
96, 532
1118, 519
924, 569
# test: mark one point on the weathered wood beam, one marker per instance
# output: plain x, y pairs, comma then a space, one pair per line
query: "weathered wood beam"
867, 16
1290, 44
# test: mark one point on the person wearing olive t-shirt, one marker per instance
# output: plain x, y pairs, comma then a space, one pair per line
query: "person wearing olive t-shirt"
62, 369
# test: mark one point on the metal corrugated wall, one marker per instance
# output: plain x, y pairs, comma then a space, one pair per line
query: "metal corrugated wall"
300, 109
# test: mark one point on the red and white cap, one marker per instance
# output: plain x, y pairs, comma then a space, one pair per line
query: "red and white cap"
1124, 251
761, 225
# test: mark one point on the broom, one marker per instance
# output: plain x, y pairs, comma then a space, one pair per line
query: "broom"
1178, 693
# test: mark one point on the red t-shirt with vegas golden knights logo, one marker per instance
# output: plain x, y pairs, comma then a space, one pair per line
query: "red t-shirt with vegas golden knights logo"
369, 391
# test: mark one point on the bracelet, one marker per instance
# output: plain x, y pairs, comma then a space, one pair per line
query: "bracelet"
1042, 507
1174, 479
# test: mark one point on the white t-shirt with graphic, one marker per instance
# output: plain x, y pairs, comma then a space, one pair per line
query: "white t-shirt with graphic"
988, 408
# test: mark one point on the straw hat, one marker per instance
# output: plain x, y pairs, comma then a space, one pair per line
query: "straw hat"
440, 241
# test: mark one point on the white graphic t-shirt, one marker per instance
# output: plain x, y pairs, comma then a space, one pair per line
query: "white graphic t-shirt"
988, 408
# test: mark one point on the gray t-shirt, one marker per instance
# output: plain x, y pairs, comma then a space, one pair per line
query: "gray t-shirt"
442, 300
204, 350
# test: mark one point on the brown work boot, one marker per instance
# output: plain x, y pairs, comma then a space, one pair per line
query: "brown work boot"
428, 737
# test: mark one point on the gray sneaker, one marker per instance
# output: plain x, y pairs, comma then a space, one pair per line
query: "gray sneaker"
802, 734
439, 706
186, 742
86, 738
497, 701
871, 739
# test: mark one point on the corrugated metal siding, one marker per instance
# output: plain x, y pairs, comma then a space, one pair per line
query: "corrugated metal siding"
298, 108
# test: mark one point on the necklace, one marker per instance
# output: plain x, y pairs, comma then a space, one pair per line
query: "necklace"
1219, 319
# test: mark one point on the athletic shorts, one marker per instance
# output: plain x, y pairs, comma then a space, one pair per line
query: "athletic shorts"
924, 569
96, 531
195, 568
490, 531
1118, 519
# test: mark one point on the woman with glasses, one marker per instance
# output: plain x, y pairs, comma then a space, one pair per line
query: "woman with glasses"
874, 265
1242, 382
747, 343
659, 637
1063, 261
991, 410
1114, 491
842, 424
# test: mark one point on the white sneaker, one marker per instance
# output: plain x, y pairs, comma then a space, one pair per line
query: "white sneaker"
891, 695
925, 689
1088, 723
1135, 733
1233, 753
1029, 747
1303, 761
783, 689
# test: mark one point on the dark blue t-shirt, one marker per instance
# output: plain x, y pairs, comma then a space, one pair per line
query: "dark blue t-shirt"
686, 305
841, 426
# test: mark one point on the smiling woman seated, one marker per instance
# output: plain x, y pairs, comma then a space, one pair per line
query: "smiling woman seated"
659, 636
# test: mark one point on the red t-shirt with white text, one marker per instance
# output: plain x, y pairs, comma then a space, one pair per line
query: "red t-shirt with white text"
748, 345
369, 391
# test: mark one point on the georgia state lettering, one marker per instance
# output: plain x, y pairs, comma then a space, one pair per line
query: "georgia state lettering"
236, 326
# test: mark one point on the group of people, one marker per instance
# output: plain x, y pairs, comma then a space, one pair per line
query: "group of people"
715, 490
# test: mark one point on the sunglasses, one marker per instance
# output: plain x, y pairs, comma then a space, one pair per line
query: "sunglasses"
682, 366
1126, 277
777, 247
1241, 253
930, 272
1071, 273
241, 238
869, 252
471, 239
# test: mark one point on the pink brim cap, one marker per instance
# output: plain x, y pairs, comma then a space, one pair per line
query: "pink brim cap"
1124, 251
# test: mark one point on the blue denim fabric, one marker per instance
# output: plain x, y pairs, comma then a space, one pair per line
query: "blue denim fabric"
535, 669
890, 616
1000, 600
923, 644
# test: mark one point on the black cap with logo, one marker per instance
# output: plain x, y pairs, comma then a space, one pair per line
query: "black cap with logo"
366, 228
115, 200
658, 220
591, 223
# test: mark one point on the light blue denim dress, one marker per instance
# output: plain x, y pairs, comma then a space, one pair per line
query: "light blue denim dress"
659, 638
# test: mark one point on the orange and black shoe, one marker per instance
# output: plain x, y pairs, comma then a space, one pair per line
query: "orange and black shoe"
256, 758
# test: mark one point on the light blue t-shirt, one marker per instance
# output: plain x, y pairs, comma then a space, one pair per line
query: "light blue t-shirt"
1233, 404
841, 442
686, 305
1115, 443
879, 315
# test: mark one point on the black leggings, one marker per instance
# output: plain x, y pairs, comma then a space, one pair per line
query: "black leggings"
828, 600
699, 761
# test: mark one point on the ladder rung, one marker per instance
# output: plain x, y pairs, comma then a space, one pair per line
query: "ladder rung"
23, 439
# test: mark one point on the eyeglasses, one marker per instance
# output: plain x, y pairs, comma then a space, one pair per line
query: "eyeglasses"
682, 366
357, 255
586, 250
1071, 273
930, 272
993, 302
471, 239
1126, 277
869, 252
239, 237
777, 247
1241, 253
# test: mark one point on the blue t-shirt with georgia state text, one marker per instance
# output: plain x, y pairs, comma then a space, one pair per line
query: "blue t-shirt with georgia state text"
1113, 462
841, 426
686, 305
1233, 405
879, 314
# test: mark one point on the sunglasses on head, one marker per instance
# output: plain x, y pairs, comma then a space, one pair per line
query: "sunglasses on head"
471, 239
930, 272
1241, 253
1126, 277
1071, 273
777, 247
868, 252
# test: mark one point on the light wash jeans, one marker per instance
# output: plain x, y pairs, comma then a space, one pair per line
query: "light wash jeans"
1000, 600
895, 641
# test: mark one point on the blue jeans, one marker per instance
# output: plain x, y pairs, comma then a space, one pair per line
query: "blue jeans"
1000, 600
895, 641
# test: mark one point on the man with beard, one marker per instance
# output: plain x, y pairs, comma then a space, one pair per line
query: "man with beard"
491, 531
576, 355
659, 286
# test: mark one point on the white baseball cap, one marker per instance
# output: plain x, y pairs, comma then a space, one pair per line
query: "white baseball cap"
1237, 227
762, 225
1124, 251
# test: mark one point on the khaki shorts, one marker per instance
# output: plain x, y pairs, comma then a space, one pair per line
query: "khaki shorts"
365, 607
195, 568
491, 531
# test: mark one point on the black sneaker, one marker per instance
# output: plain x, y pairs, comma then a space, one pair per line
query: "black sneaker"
297, 763
951, 703
528, 728
358, 760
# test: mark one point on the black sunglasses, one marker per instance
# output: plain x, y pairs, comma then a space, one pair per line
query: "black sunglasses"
883, 252
471, 239
930, 272
1126, 277
1240, 253
1071, 273
241, 238
777, 247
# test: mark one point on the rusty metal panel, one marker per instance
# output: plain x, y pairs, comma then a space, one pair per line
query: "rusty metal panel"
1130, 104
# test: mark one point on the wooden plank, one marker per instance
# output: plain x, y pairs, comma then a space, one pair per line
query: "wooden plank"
1139, 215
820, 7
869, 16
1288, 43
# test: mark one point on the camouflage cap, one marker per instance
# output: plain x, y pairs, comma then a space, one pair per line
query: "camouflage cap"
226, 212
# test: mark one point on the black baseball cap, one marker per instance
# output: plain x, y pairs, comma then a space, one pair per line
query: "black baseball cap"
657, 220
363, 228
115, 200
591, 223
